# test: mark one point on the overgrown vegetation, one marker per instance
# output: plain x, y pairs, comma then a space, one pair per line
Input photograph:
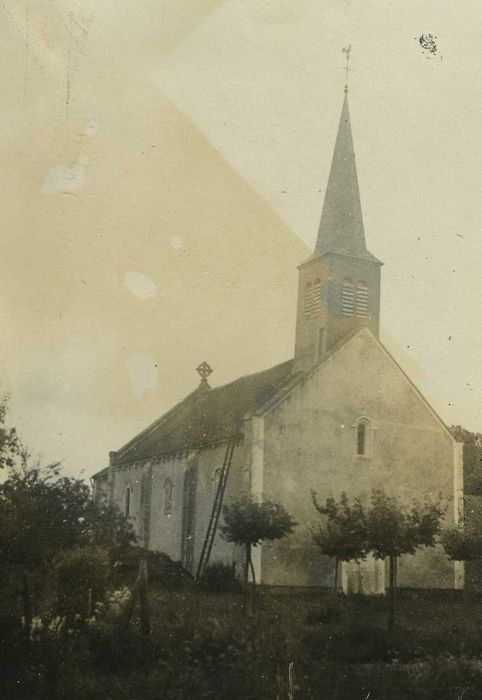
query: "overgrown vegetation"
205, 646
86, 612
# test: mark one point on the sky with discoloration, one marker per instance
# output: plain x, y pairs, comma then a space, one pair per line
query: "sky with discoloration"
163, 166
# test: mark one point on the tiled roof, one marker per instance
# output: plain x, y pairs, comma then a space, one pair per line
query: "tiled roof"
207, 415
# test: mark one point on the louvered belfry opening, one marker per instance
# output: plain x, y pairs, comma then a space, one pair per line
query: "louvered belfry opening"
347, 298
362, 299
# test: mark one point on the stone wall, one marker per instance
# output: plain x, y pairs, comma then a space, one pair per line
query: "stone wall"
161, 512
310, 443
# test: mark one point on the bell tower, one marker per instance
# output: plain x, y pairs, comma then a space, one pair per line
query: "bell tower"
339, 284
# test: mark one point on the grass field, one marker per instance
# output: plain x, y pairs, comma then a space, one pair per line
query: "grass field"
293, 646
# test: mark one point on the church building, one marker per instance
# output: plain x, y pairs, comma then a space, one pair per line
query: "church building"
340, 416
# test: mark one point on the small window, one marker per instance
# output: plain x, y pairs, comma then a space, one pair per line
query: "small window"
363, 438
168, 495
216, 480
127, 502
361, 299
347, 298
316, 300
308, 299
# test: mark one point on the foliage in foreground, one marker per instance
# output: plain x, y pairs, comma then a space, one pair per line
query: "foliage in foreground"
206, 647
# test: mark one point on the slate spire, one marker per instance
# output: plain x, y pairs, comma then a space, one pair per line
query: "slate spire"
341, 226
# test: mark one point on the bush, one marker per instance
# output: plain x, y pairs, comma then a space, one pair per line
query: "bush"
81, 578
219, 578
168, 574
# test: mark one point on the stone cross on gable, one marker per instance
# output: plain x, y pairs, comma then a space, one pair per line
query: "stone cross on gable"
204, 370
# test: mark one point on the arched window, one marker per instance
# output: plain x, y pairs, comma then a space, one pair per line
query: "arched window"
216, 480
363, 438
168, 494
361, 299
308, 299
127, 502
347, 297
316, 301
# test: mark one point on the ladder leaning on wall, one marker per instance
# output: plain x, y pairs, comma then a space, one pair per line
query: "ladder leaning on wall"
216, 510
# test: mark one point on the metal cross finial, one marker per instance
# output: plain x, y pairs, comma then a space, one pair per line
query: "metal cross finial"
204, 370
346, 51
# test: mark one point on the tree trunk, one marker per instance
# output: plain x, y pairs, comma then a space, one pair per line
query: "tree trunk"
254, 577
336, 573
246, 564
360, 579
467, 618
131, 603
143, 600
26, 604
391, 596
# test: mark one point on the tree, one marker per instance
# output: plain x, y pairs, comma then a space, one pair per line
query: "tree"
10, 447
343, 534
461, 544
43, 514
393, 530
248, 523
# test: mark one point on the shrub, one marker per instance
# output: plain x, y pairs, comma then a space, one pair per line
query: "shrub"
81, 578
219, 578
162, 570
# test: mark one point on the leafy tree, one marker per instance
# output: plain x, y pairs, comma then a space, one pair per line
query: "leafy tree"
248, 523
461, 544
343, 534
393, 530
10, 447
43, 514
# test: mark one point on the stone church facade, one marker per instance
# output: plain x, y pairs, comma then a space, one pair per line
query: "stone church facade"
340, 416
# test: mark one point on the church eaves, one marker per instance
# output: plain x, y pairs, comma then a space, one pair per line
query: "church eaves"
341, 227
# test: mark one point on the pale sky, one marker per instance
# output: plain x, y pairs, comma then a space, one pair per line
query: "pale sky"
163, 169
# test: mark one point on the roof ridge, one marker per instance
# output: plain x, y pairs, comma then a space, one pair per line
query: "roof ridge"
178, 407
252, 374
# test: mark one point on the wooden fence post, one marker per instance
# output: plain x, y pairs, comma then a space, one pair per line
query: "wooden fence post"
143, 599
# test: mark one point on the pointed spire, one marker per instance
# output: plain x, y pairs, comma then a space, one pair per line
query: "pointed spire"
341, 226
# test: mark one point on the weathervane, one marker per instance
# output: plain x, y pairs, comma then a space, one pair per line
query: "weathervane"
346, 51
204, 370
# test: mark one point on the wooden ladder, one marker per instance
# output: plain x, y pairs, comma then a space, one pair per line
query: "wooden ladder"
216, 510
